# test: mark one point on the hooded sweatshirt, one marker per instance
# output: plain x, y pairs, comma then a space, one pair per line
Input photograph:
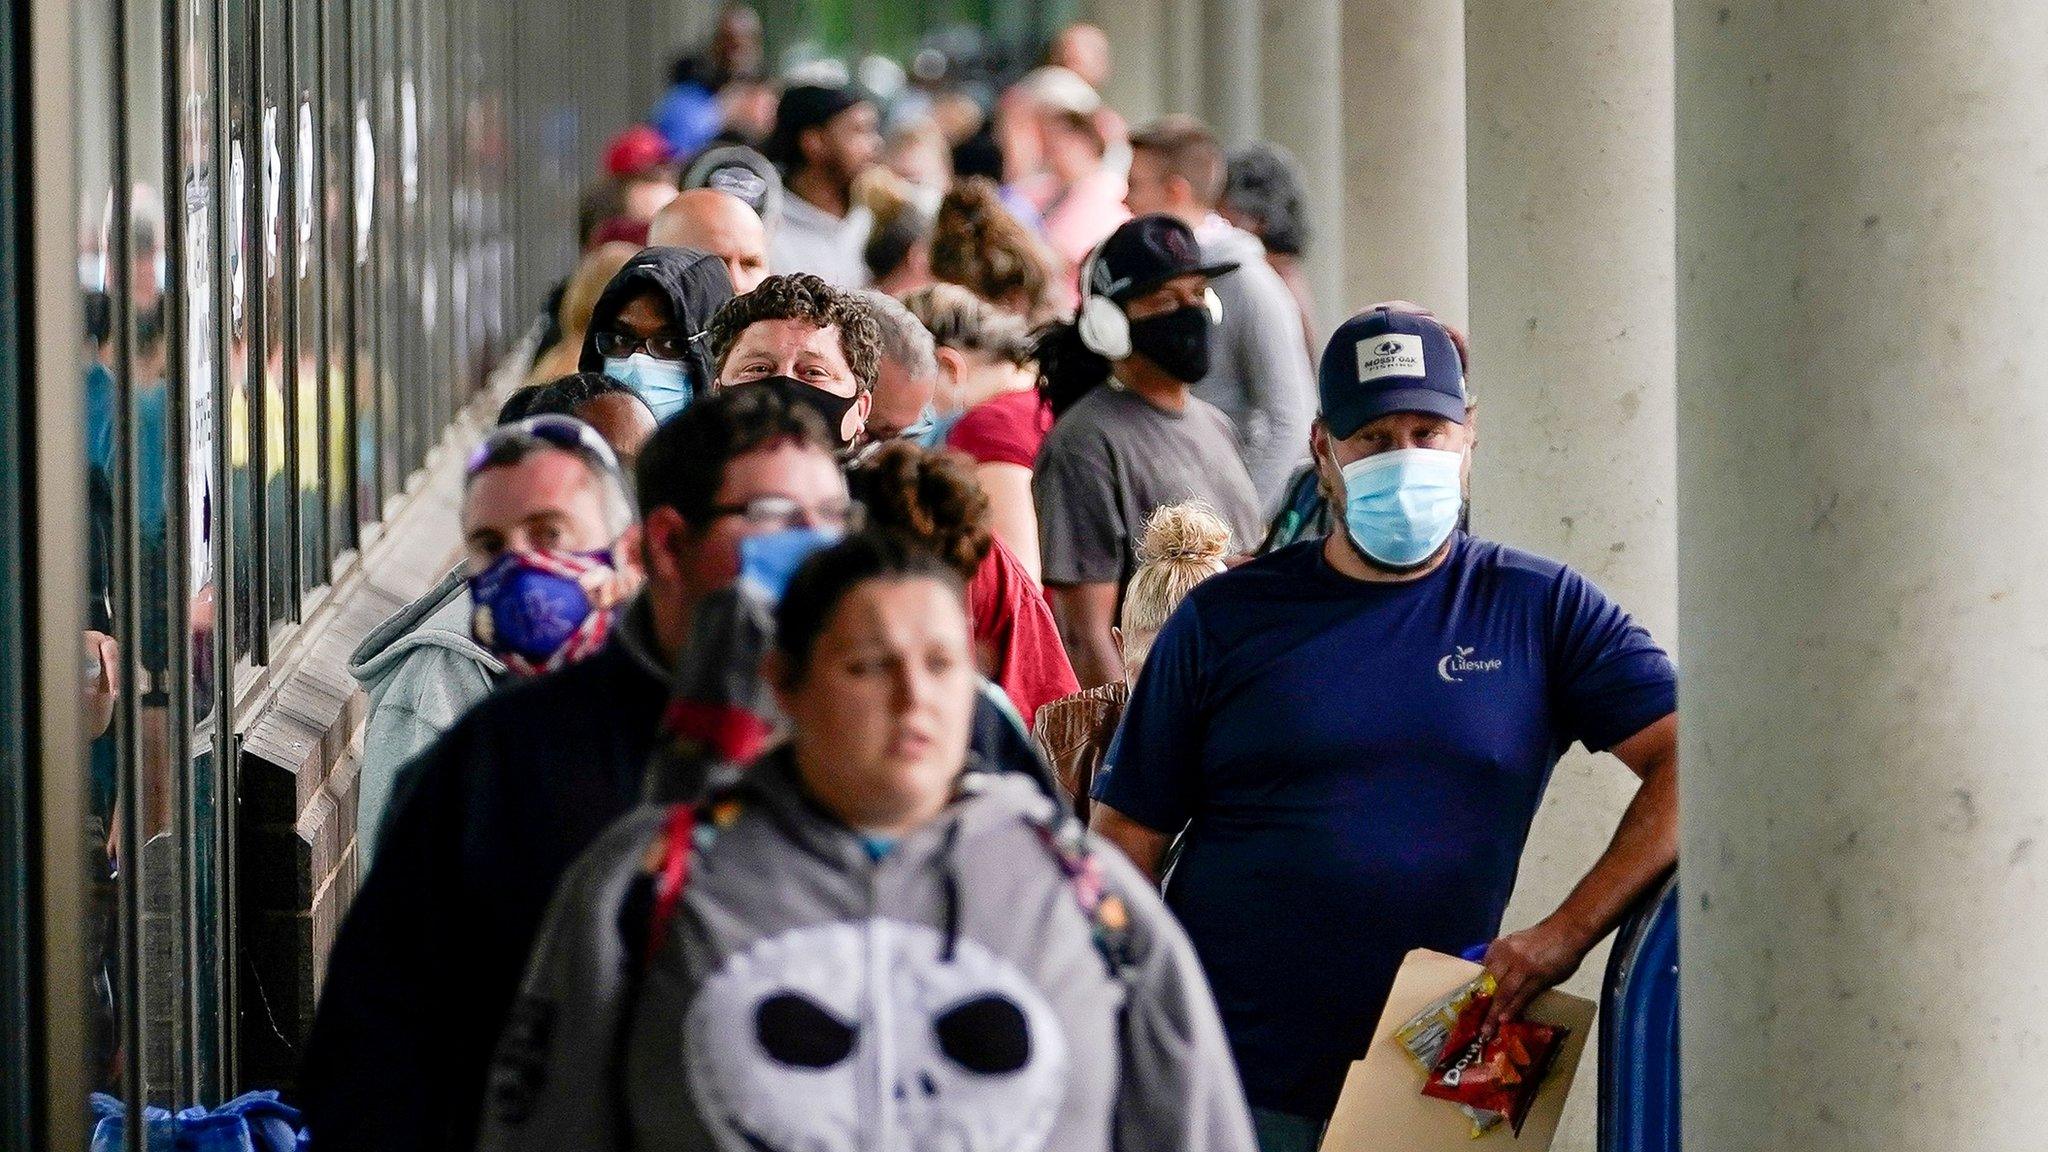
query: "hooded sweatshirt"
808, 996
1259, 373
422, 670
694, 284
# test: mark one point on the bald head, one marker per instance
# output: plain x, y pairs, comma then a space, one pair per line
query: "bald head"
1082, 49
721, 224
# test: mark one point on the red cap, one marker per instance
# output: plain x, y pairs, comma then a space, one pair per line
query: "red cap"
637, 149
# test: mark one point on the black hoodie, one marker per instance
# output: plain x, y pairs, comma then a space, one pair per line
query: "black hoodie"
694, 283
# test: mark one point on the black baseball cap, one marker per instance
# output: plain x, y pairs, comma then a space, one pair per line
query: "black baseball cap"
1383, 361
1145, 252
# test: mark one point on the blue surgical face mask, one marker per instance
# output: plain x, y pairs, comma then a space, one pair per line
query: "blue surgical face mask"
769, 560
1400, 507
663, 384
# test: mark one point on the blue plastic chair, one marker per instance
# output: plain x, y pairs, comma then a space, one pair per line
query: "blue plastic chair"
1639, 1031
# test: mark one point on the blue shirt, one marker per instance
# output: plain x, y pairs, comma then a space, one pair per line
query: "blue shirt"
1358, 765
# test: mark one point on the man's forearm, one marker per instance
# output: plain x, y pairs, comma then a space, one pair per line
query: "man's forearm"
1644, 848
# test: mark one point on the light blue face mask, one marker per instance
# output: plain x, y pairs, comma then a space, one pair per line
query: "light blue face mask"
1400, 507
663, 384
769, 560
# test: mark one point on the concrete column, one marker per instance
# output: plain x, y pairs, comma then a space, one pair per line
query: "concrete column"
1404, 154
1136, 86
1182, 64
1303, 55
1863, 508
1569, 150
1230, 31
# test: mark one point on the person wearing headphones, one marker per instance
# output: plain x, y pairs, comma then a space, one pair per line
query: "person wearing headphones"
1128, 437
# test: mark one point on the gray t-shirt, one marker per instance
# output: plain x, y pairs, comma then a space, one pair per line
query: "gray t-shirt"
1112, 461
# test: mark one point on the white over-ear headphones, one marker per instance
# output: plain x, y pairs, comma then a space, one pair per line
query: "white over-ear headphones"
1104, 328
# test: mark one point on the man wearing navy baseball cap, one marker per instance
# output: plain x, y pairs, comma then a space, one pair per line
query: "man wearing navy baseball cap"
1355, 732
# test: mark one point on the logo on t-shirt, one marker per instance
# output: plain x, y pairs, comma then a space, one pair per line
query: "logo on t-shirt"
1395, 354
1459, 663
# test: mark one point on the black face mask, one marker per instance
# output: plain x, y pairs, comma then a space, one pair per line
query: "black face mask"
831, 409
1176, 341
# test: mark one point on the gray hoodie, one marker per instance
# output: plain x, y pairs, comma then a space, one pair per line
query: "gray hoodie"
808, 998
1259, 373
422, 671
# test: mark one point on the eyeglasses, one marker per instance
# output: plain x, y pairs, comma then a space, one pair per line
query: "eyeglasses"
775, 513
661, 346
510, 443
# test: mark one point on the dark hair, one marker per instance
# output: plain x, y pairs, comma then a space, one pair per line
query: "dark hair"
519, 404
895, 233
928, 498
1265, 184
826, 579
802, 296
683, 464
979, 245
563, 395
1189, 150
1067, 368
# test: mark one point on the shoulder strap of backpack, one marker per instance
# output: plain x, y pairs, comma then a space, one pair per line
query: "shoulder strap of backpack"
1109, 918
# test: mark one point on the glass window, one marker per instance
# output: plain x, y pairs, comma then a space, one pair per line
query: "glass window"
278, 574
337, 269
241, 237
306, 264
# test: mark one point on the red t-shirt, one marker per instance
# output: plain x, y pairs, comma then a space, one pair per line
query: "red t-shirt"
1006, 429
1014, 635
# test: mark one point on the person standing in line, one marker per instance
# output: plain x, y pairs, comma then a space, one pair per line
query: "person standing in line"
1079, 197
545, 523
719, 223
863, 943
1183, 545
1259, 374
1128, 434
646, 329
825, 137
988, 405
817, 346
1356, 732
906, 373
1263, 195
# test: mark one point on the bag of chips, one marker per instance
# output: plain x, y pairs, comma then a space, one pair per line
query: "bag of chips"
1427, 1033
1499, 1076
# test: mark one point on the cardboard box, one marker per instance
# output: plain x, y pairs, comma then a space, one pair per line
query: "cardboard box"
1383, 1108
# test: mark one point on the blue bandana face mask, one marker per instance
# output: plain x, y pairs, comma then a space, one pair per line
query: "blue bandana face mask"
769, 560
1400, 507
663, 384
533, 609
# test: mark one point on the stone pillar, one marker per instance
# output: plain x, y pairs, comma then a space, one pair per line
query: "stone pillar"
1135, 31
1182, 64
1863, 509
1569, 148
1231, 49
1404, 154
1302, 46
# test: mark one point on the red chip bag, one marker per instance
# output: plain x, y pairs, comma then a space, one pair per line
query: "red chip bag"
1499, 1075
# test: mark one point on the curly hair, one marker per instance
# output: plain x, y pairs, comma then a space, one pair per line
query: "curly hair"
930, 499
978, 245
802, 296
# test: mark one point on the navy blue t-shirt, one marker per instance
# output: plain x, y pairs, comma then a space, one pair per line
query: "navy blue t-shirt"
1358, 765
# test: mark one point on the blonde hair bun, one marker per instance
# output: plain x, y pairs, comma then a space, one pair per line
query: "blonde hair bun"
1190, 533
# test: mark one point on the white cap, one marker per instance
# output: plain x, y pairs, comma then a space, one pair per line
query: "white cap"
1061, 89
